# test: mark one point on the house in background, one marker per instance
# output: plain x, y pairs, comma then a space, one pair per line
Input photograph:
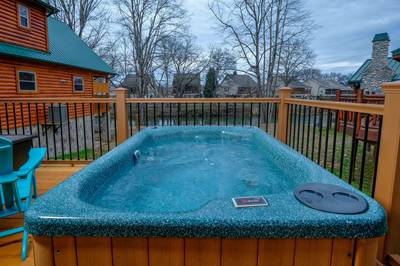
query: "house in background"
186, 85
325, 89
42, 57
131, 82
315, 88
379, 69
237, 85
299, 88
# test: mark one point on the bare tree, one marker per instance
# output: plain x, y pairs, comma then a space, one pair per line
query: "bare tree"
116, 52
147, 23
258, 29
187, 63
242, 21
222, 61
89, 19
296, 56
165, 54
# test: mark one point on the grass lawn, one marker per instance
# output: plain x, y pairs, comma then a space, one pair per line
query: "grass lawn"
347, 155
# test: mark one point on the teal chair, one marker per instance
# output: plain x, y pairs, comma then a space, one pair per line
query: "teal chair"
17, 188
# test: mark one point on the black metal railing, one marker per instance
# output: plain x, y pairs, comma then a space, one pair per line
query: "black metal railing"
69, 130
344, 142
259, 114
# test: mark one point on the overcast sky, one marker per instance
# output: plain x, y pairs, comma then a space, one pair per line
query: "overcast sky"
342, 40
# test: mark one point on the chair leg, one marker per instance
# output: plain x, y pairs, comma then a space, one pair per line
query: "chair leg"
25, 244
34, 185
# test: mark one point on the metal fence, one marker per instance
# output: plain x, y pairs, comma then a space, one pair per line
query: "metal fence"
69, 129
343, 140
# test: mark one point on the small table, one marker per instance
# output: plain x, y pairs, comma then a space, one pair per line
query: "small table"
21, 146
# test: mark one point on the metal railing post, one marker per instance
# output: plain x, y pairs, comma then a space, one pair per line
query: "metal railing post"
122, 115
283, 112
387, 190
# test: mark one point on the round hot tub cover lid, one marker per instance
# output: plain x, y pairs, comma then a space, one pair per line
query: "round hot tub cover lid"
331, 198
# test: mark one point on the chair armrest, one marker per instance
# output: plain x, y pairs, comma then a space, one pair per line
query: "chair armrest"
9, 178
22, 173
36, 156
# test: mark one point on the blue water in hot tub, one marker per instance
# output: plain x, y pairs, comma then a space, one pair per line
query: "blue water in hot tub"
183, 172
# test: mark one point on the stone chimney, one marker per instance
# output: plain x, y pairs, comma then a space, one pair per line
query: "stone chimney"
380, 49
378, 71
396, 54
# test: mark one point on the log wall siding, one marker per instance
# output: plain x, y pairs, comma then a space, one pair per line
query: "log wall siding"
52, 81
35, 37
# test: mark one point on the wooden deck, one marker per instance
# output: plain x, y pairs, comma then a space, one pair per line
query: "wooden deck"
10, 247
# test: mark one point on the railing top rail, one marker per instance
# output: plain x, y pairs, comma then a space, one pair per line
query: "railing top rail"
58, 100
341, 106
139, 100
202, 100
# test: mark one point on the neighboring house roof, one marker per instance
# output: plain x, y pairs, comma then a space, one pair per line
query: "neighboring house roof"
130, 81
66, 48
294, 84
396, 52
187, 80
325, 84
393, 64
239, 80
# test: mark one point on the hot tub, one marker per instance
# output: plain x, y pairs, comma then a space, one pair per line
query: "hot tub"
164, 197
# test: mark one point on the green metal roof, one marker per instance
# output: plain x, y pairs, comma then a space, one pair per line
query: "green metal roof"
66, 48
381, 37
393, 64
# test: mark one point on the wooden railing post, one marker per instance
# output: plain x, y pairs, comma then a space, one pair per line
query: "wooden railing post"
387, 190
338, 95
122, 115
283, 112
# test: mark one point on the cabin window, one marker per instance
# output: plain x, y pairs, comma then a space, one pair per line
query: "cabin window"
78, 84
27, 81
23, 13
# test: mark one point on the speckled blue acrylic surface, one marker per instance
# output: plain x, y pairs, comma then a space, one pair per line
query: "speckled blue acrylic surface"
182, 186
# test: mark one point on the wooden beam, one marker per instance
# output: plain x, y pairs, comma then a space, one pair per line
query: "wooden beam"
376, 109
64, 251
394, 260
366, 252
239, 252
284, 94
202, 251
122, 115
43, 251
387, 190
202, 100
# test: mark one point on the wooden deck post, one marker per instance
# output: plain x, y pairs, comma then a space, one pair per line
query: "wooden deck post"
122, 115
387, 190
283, 112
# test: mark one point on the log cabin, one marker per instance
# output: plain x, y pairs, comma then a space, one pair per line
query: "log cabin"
41, 56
